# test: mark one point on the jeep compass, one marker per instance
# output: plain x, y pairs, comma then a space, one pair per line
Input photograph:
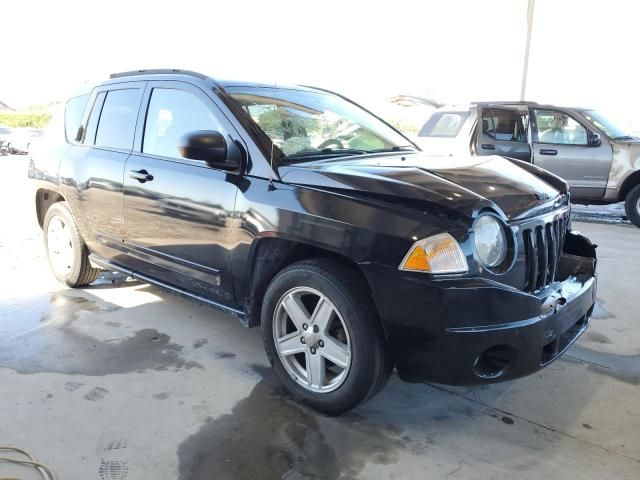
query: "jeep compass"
300, 212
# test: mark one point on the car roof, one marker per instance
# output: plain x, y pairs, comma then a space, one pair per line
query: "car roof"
503, 103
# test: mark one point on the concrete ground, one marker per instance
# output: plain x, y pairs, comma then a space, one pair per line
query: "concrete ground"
124, 381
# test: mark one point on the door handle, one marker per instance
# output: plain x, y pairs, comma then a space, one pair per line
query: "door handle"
488, 146
141, 175
548, 151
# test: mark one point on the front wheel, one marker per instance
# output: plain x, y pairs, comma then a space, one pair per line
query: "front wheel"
323, 337
632, 205
67, 253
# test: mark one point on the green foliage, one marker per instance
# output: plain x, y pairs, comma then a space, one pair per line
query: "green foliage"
17, 120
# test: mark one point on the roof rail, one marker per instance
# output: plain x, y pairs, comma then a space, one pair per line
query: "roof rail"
159, 71
508, 102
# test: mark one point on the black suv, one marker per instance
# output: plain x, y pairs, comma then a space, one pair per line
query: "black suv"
298, 211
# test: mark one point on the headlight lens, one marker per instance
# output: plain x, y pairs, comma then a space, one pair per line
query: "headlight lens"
437, 254
490, 241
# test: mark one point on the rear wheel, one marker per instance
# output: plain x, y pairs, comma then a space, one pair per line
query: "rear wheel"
323, 337
632, 206
67, 253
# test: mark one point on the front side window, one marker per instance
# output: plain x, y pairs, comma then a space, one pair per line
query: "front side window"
308, 124
117, 123
443, 124
172, 114
606, 126
503, 125
73, 116
559, 128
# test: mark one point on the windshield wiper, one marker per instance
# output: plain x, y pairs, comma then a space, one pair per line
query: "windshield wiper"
403, 148
324, 152
625, 137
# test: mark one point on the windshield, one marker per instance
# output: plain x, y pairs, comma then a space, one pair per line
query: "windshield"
605, 125
308, 125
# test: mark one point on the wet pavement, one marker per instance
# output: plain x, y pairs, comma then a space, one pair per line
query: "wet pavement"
121, 380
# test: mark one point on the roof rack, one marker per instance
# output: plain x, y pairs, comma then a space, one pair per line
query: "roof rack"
158, 71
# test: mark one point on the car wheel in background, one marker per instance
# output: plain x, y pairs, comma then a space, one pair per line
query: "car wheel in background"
66, 251
632, 205
323, 337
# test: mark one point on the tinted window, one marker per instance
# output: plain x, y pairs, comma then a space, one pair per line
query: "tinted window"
171, 114
559, 128
443, 124
73, 116
503, 125
118, 119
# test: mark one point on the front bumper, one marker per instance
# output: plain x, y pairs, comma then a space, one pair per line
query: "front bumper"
469, 331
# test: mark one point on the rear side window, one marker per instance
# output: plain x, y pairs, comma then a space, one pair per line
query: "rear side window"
503, 125
444, 124
117, 123
73, 116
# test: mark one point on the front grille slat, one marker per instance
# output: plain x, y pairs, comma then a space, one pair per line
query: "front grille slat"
543, 258
553, 251
543, 243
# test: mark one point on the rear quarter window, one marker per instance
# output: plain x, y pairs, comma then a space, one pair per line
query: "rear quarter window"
73, 116
444, 124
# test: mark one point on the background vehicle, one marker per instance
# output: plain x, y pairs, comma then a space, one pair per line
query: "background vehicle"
5, 136
295, 209
21, 139
600, 161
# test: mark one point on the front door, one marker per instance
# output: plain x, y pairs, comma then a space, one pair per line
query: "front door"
561, 145
501, 131
177, 210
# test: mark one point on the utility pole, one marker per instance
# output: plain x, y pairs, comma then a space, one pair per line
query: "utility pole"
525, 66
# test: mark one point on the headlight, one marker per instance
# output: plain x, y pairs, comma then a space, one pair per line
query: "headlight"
490, 241
437, 254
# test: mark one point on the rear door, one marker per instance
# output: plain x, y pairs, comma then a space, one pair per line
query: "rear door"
92, 170
560, 145
177, 210
501, 131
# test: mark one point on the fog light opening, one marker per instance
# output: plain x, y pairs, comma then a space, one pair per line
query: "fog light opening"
493, 362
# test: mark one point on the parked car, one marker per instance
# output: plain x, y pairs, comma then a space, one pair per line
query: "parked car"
600, 160
5, 136
21, 140
353, 251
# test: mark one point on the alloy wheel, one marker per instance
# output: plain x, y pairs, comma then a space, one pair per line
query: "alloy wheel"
312, 339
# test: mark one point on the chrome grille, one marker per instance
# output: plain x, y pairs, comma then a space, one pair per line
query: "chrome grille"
543, 243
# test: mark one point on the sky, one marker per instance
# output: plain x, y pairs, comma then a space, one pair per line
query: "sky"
582, 52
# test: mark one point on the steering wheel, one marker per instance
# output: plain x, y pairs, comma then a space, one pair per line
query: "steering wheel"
331, 141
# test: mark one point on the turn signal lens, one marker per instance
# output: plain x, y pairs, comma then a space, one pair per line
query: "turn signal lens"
438, 254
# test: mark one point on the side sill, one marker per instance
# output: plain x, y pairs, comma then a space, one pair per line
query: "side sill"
105, 264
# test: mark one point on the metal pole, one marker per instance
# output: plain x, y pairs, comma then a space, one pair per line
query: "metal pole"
525, 67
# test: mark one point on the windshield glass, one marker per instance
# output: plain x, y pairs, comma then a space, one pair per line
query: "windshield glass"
605, 125
307, 125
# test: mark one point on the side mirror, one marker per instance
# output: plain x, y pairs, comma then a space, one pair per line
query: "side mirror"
209, 146
594, 139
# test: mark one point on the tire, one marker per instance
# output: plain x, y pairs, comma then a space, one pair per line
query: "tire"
632, 206
73, 267
353, 327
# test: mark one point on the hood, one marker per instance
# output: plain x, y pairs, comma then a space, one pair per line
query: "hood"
462, 185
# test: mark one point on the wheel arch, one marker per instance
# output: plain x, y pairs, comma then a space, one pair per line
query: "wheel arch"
269, 255
44, 199
631, 181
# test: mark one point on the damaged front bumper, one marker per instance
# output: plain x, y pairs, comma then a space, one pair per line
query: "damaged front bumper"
469, 331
